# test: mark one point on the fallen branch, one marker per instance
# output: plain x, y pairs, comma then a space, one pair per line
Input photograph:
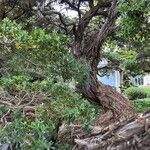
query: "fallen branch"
131, 134
22, 101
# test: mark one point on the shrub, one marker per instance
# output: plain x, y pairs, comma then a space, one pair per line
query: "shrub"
64, 105
134, 93
39, 52
147, 90
142, 105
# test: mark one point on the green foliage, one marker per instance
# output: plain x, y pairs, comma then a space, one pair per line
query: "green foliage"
131, 38
30, 135
3, 110
134, 17
142, 105
13, 83
128, 57
133, 32
64, 105
62, 96
147, 90
35, 50
67, 105
139, 97
25, 53
134, 93
122, 58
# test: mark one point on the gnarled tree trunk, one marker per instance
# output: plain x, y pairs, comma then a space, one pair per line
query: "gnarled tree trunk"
115, 106
2, 9
133, 134
112, 102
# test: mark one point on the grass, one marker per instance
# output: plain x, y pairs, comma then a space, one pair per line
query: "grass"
142, 105
146, 89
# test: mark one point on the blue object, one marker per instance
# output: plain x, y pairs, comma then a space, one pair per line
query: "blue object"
108, 79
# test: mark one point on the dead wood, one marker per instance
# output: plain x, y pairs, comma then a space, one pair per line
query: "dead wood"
132, 134
24, 102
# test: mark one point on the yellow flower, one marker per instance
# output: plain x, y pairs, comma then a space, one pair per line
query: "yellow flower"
18, 46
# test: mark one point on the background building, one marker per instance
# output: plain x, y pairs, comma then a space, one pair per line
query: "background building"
113, 77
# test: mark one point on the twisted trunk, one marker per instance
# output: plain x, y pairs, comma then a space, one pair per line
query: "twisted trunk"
114, 105
112, 102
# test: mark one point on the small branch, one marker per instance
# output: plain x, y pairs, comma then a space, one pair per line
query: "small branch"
18, 15
72, 6
91, 4
12, 7
61, 18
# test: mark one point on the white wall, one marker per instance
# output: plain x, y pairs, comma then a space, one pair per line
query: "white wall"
146, 80
117, 81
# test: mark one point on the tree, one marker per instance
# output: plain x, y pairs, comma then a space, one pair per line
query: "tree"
88, 48
127, 50
95, 22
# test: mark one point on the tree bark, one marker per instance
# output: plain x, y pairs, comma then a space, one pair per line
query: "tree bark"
132, 134
2, 9
94, 91
114, 104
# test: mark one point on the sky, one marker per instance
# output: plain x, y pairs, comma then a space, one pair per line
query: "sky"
69, 13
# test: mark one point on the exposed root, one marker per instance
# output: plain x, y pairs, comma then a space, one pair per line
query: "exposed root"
132, 134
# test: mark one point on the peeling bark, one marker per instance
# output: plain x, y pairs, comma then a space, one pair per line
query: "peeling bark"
133, 134
95, 91
114, 104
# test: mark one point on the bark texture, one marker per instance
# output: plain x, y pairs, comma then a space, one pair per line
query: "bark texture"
133, 134
112, 102
2, 9
115, 106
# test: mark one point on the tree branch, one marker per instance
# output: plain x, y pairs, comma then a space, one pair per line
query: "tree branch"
12, 7
61, 18
99, 36
2, 9
72, 6
91, 4
19, 15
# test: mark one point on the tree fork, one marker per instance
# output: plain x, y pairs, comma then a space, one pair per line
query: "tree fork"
94, 91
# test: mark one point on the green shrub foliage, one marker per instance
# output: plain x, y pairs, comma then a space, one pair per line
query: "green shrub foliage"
45, 53
142, 105
26, 56
64, 105
134, 93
